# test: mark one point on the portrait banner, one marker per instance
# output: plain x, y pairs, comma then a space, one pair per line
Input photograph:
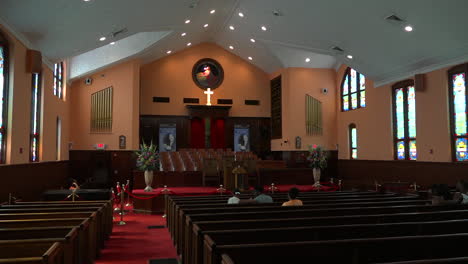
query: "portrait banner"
241, 138
167, 137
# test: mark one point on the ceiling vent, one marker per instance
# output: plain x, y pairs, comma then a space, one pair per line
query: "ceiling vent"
394, 18
118, 32
337, 49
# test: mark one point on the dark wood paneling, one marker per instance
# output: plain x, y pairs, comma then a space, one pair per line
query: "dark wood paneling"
298, 159
149, 128
365, 172
276, 108
101, 169
29, 181
260, 137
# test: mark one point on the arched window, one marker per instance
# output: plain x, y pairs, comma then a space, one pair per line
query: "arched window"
458, 111
58, 79
35, 117
3, 96
353, 90
404, 120
353, 147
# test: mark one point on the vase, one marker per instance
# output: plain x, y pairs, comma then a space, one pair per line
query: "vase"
148, 180
316, 172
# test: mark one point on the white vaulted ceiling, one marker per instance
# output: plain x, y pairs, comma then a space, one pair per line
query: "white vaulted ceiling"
383, 51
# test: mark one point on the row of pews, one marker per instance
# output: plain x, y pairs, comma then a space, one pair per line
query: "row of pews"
193, 159
54, 232
341, 227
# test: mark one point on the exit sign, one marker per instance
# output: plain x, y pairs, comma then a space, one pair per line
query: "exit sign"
100, 146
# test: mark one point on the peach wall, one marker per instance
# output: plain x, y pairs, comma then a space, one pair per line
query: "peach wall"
124, 78
374, 123
296, 83
19, 113
171, 77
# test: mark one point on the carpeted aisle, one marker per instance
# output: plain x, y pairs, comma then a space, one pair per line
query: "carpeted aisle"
134, 243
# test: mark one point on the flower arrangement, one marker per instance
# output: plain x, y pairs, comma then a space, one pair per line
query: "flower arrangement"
147, 157
317, 157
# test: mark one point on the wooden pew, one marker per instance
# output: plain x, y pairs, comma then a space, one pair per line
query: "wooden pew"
352, 251
106, 209
95, 221
199, 227
87, 232
32, 251
432, 261
70, 233
214, 239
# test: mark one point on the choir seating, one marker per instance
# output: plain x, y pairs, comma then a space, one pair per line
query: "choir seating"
341, 227
54, 232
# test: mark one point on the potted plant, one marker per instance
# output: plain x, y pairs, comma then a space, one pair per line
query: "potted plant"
148, 161
317, 161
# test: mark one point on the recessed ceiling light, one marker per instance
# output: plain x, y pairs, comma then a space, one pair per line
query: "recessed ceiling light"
183, 34
187, 21
264, 28
231, 47
112, 43
250, 58
307, 60
349, 57
241, 14
102, 38
252, 40
212, 11
189, 44
231, 27
205, 26
86, 0
169, 51
408, 28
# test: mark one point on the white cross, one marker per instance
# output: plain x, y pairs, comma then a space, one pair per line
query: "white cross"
208, 93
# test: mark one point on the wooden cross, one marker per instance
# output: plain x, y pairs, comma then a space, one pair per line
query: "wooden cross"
208, 93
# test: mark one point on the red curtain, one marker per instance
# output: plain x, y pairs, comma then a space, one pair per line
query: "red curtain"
218, 139
197, 138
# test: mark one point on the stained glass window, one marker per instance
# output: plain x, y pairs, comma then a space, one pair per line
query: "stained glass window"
458, 107
353, 146
353, 90
35, 117
3, 97
58, 79
404, 119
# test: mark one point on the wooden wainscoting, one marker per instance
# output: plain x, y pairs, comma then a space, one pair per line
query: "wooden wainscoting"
365, 172
30, 180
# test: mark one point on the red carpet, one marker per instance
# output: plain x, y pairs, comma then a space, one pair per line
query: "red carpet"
134, 243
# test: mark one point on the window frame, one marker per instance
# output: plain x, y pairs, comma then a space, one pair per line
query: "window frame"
358, 90
6, 63
402, 84
350, 136
463, 68
36, 136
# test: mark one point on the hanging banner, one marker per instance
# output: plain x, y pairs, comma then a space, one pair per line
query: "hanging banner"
241, 138
167, 137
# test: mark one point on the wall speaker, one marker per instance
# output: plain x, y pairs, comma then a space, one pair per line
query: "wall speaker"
33, 61
419, 83
324, 90
88, 81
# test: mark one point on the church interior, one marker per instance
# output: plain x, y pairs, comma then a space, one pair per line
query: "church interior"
233, 132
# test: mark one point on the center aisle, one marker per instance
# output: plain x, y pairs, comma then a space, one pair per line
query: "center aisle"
134, 243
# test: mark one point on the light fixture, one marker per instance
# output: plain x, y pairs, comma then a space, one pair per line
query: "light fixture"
250, 58
189, 44
112, 43
408, 28
231, 47
183, 34
86, 0
187, 21
350, 57
252, 40
102, 38
205, 26
264, 28
241, 14
169, 51
307, 60
231, 27
212, 11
